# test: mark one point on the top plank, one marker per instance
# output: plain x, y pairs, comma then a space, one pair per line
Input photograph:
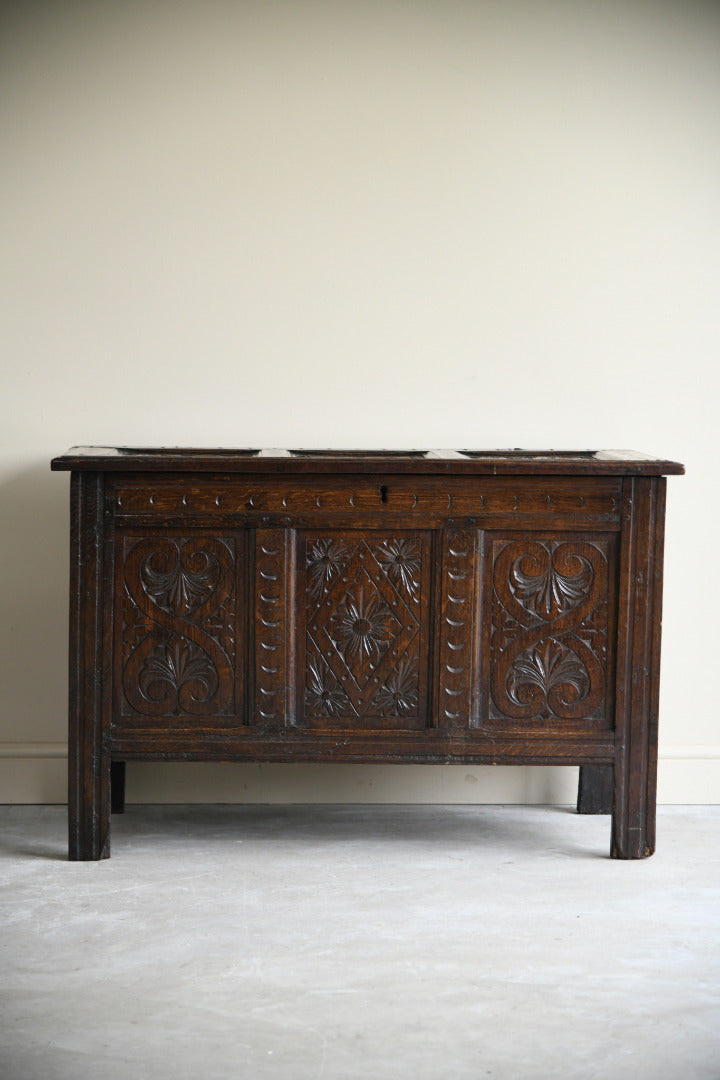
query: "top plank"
428, 462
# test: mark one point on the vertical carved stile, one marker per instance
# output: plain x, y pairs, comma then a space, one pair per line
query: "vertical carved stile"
88, 759
628, 544
656, 585
457, 607
640, 604
272, 617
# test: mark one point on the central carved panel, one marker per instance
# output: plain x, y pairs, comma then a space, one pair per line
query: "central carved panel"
365, 602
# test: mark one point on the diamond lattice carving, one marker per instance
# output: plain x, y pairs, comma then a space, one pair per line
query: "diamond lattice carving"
363, 625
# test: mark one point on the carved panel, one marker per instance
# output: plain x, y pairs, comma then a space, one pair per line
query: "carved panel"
549, 631
177, 632
457, 620
271, 626
365, 602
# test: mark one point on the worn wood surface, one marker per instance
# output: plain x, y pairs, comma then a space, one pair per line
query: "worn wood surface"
595, 789
423, 607
390, 462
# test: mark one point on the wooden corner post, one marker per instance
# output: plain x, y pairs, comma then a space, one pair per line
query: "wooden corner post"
638, 667
88, 750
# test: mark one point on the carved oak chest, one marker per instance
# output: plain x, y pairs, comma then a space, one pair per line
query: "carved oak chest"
428, 606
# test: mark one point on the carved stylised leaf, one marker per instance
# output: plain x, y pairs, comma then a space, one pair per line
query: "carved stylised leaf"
325, 560
550, 592
548, 665
177, 663
399, 693
401, 561
181, 588
323, 694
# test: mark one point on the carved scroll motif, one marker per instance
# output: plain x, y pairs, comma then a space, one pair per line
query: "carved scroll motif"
549, 629
178, 631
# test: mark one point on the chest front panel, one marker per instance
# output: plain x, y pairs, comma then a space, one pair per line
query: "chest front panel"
455, 629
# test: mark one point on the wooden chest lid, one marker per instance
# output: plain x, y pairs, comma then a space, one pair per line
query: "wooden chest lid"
424, 462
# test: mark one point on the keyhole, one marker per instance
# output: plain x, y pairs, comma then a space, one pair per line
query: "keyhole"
383, 493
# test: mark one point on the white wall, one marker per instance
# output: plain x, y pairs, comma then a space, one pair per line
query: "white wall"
356, 224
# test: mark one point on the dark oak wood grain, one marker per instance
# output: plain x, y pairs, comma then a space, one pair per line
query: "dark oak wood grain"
89, 741
390, 462
497, 607
595, 789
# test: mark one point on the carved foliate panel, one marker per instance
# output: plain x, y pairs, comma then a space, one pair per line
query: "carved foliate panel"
365, 602
177, 626
548, 654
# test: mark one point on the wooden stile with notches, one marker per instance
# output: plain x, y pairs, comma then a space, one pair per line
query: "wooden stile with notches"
475, 607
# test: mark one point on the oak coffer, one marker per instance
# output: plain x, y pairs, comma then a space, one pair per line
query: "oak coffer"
476, 607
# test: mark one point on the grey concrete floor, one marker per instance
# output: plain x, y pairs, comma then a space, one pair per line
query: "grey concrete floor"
333, 943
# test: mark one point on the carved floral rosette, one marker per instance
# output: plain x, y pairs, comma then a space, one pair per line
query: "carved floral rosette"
178, 632
549, 629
